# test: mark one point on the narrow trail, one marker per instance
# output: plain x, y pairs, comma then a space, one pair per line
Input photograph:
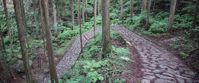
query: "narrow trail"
71, 55
159, 65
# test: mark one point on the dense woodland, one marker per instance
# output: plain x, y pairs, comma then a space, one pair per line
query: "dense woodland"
99, 41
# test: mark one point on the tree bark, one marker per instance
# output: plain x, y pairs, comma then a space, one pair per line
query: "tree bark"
42, 26
144, 5
172, 14
106, 42
95, 10
121, 9
195, 15
132, 8
80, 24
72, 13
83, 12
49, 48
86, 7
21, 24
148, 13
54, 13
3, 49
98, 7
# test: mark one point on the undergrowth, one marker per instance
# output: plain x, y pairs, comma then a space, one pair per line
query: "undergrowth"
90, 68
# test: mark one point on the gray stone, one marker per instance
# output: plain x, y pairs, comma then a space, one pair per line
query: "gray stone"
153, 65
168, 74
163, 81
190, 73
163, 66
171, 71
149, 77
145, 81
180, 80
164, 77
157, 71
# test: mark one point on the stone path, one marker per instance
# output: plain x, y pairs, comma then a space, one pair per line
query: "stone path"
159, 65
71, 55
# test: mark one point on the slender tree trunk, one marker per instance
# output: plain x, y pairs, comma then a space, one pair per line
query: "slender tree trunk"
53, 73
195, 15
172, 14
1, 45
83, 11
21, 24
86, 13
95, 10
3, 49
148, 13
80, 25
72, 12
54, 13
99, 7
106, 42
121, 9
144, 5
42, 26
132, 8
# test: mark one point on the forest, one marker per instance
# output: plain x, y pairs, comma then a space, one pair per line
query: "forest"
99, 41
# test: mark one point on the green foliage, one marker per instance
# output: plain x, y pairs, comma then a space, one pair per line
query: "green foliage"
183, 55
90, 68
134, 22
183, 22
116, 21
158, 27
68, 34
121, 51
157, 24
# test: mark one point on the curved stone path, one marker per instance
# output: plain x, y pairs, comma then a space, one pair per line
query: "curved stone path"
159, 65
71, 54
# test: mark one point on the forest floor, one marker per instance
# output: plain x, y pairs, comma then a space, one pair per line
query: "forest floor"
64, 63
159, 65
152, 63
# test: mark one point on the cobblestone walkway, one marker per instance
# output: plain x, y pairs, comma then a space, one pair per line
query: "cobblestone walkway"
159, 65
71, 55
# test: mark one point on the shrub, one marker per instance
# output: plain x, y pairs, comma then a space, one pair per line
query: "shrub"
158, 27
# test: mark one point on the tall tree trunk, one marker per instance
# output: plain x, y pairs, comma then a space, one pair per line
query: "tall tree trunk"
72, 12
54, 13
80, 24
49, 48
83, 12
195, 15
172, 14
21, 24
148, 13
1, 45
121, 9
3, 48
144, 5
42, 26
132, 7
106, 42
86, 7
95, 10
99, 7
